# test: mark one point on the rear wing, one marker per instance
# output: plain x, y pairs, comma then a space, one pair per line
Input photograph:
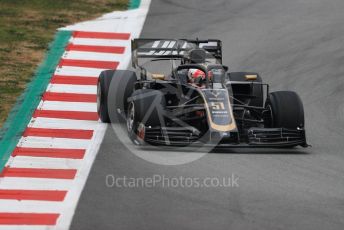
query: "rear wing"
172, 48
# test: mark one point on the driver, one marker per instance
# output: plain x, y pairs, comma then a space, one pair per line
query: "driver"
196, 77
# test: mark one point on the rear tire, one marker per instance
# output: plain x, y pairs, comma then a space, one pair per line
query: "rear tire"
117, 90
103, 86
286, 110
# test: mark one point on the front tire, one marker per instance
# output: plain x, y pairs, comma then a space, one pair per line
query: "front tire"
286, 110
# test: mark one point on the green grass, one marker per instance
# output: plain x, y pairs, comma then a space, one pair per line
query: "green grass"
26, 29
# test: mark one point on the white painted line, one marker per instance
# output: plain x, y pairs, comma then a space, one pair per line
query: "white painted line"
49, 142
101, 42
68, 106
79, 55
43, 162
64, 88
35, 183
27, 206
78, 71
54, 123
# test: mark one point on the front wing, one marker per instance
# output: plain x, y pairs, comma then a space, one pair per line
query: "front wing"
255, 138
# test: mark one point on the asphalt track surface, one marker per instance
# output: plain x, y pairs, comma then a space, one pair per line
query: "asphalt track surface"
295, 45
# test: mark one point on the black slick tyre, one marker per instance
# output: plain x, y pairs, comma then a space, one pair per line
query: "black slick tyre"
287, 110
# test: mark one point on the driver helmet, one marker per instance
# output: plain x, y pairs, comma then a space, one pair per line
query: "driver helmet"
196, 75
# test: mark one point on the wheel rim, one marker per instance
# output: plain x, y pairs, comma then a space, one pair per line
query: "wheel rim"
131, 117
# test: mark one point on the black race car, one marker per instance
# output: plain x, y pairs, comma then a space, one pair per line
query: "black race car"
179, 93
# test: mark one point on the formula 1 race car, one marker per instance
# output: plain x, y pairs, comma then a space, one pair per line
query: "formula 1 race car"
179, 93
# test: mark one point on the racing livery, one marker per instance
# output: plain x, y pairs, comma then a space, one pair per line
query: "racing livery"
179, 93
